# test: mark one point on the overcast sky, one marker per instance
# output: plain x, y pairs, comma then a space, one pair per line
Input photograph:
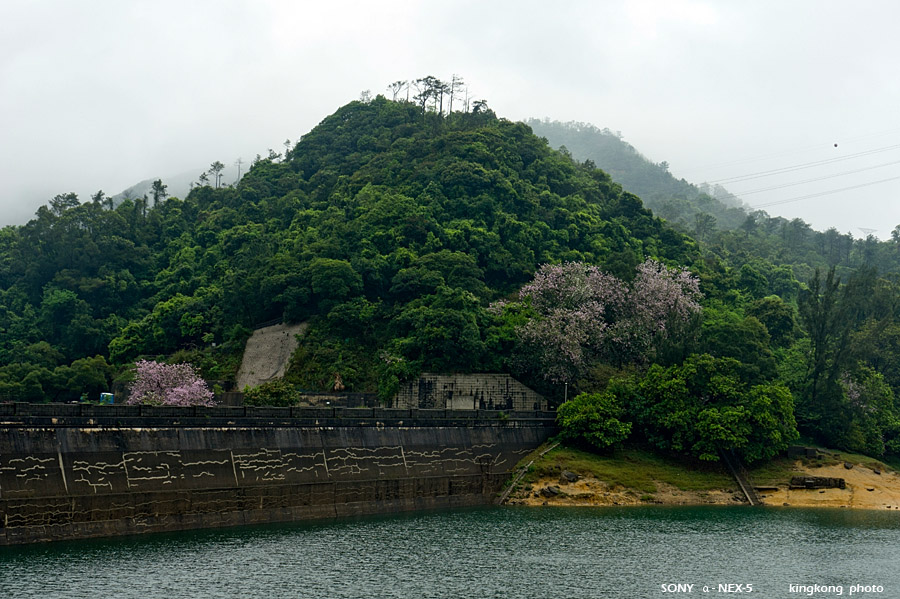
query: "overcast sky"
101, 94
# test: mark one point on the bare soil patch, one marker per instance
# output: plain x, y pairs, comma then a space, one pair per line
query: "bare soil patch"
591, 491
864, 489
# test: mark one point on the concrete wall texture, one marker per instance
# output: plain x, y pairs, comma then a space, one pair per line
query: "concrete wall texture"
468, 392
267, 354
78, 478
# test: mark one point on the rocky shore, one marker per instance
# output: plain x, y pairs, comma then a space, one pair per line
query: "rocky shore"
863, 488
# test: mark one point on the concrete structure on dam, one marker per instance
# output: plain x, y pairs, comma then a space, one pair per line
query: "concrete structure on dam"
78, 471
468, 392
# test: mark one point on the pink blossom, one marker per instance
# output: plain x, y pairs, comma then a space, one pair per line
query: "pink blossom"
168, 384
497, 307
660, 297
853, 392
584, 313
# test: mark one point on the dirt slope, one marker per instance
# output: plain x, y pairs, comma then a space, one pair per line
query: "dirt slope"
594, 492
865, 489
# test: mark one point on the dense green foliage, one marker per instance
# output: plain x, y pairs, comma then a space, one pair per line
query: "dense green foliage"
278, 393
698, 408
392, 227
703, 406
593, 419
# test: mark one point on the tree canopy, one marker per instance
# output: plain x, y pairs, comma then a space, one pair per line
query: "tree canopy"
429, 234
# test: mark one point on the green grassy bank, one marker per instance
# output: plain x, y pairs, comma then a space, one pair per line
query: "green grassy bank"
642, 471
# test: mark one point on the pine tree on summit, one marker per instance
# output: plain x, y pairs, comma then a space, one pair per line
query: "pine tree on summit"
215, 169
159, 192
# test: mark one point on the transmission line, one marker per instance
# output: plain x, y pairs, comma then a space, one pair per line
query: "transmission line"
824, 193
788, 152
789, 169
813, 180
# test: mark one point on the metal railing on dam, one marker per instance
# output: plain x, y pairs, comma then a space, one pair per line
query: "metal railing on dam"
12, 414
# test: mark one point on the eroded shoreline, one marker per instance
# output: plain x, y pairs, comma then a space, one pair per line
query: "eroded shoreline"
865, 488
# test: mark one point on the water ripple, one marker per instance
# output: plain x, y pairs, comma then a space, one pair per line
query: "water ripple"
507, 553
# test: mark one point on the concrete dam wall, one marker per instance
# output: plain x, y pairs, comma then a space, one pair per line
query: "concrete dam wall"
73, 471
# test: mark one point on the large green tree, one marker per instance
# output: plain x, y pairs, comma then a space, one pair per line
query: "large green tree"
702, 407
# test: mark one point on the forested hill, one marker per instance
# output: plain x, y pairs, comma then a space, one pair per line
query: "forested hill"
411, 239
733, 232
675, 200
388, 226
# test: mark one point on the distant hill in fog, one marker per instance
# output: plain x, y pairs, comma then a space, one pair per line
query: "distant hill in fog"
178, 186
675, 200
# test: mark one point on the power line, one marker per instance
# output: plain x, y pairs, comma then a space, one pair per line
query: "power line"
813, 180
789, 152
824, 193
789, 169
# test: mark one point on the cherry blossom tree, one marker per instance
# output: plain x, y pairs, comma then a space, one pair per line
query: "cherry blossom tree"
583, 314
168, 384
660, 302
575, 303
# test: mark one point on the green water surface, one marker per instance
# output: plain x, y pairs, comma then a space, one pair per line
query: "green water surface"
508, 552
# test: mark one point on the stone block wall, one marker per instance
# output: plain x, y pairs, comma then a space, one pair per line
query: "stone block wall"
70, 472
468, 392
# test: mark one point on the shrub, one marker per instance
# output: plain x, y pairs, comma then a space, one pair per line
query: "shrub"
593, 419
276, 393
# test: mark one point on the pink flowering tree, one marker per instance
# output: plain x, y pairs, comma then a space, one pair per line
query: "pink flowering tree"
575, 304
661, 294
660, 303
583, 314
169, 385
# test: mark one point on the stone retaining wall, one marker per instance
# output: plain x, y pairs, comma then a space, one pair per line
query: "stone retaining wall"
106, 470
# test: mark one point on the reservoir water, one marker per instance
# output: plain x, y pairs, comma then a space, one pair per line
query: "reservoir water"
507, 552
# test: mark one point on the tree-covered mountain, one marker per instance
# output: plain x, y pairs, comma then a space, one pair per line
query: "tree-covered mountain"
711, 214
675, 200
391, 226
412, 238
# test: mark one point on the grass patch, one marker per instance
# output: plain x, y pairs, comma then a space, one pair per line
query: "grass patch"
776, 472
780, 470
862, 460
631, 468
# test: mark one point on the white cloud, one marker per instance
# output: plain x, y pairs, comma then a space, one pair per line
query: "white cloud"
102, 95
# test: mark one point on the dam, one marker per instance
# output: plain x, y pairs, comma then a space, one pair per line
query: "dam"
70, 471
